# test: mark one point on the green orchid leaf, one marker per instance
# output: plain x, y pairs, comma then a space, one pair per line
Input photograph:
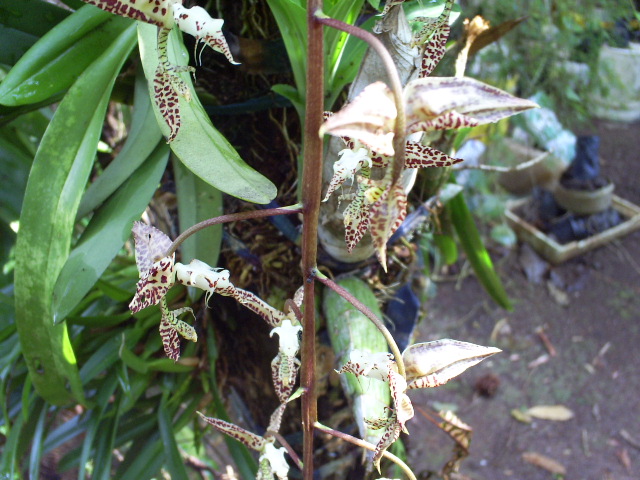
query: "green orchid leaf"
198, 201
173, 460
291, 17
23, 23
35, 17
144, 135
109, 228
56, 182
198, 145
106, 443
476, 252
59, 57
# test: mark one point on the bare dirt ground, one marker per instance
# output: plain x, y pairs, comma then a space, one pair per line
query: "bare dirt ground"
589, 310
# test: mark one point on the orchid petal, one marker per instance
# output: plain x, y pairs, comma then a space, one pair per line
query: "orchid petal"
432, 364
437, 103
277, 464
197, 22
386, 216
421, 156
150, 243
284, 371
289, 341
245, 437
434, 51
154, 285
370, 119
156, 12
367, 364
356, 218
349, 164
171, 326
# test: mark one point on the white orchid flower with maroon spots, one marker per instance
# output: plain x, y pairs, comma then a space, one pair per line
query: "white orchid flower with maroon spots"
369, 121
272, 459
167, 85
285, 366
216, 280
427, 365
156, 277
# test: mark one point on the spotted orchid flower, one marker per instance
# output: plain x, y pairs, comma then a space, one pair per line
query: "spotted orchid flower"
216, 280
167, 85
369, 121
285, 366
156, 276
427, 365
272, 460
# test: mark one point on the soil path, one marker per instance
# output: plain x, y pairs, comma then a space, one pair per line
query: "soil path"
589, 310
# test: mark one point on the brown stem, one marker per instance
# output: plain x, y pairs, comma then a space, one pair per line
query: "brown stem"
292, 453
231, 217
399, 140
369, 446
369, 314
311, 191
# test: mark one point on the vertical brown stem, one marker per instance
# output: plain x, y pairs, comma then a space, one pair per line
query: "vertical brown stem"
311, 190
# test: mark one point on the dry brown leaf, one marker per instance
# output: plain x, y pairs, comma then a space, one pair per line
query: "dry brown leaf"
623, 456
557, 413
521, 416
546, 463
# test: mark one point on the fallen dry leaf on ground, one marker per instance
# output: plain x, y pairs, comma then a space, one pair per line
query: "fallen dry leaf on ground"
557, 413
546, 463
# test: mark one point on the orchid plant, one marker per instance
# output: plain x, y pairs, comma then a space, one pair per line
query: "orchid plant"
382, 129
167, 85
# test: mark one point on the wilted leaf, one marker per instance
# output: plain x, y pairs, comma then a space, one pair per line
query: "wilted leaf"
558, 413
546, 463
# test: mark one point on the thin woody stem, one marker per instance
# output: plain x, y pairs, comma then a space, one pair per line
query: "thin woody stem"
232, 217
399, 140
311, 196
369, 446
369, 314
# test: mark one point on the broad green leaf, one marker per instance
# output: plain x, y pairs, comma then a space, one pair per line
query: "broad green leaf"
58, 58
198, 201
476, 252
173, 460
142, 139
58, 176
35, 17
23, 23
109, 228
199, 146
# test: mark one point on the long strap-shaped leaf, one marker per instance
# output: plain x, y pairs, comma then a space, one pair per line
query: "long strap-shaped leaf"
55, 61
57, 179
476, 252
